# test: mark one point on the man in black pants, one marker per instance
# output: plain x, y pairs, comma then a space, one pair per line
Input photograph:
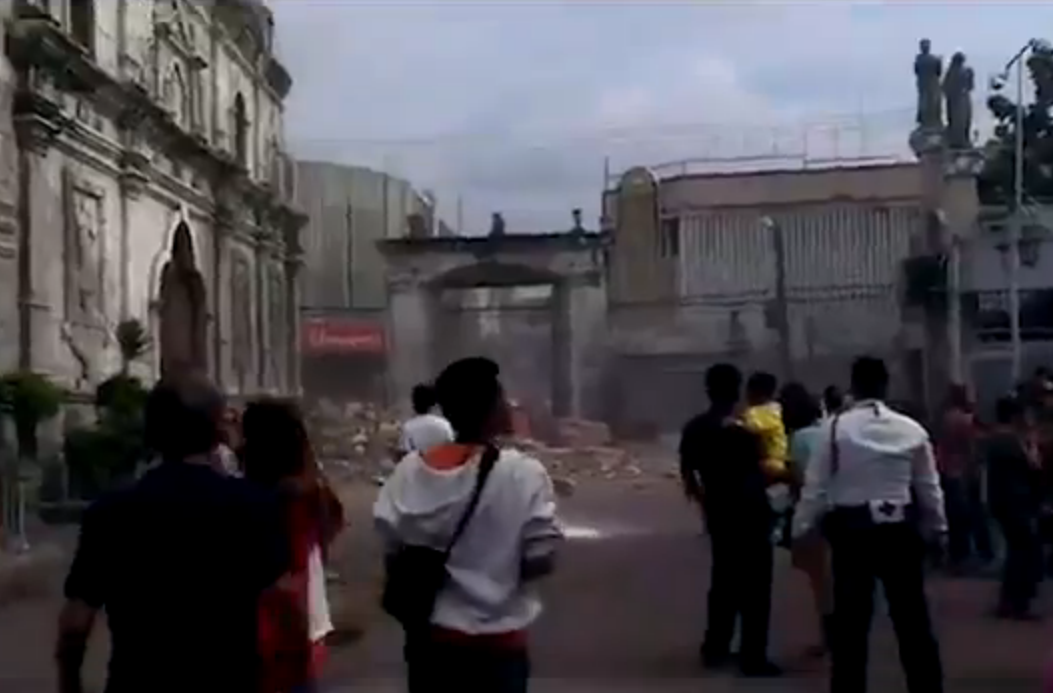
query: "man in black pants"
1015, 493
721, 465
872, 462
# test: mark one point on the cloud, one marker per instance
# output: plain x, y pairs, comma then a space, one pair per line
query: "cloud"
516, 106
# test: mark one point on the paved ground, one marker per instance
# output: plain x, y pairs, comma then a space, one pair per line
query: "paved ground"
625, 614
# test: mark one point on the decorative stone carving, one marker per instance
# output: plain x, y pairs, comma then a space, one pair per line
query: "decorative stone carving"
174, 97
183, 309
85, 253
241, 318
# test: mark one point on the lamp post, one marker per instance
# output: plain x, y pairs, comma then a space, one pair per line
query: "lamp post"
1016, 218
781, 312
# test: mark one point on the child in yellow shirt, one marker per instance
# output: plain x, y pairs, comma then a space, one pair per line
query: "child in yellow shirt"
763, 416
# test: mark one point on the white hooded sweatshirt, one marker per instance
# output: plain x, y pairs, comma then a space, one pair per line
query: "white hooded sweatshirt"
421, 503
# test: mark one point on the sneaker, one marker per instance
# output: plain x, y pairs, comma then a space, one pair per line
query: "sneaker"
715, 660
760, 670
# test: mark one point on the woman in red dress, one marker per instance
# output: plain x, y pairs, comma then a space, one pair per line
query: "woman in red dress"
294, 618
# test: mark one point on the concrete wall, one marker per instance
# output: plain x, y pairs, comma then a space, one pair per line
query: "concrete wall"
845, 233
349, 209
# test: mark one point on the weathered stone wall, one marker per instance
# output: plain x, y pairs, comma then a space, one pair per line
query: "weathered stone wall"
111, 177
8, 208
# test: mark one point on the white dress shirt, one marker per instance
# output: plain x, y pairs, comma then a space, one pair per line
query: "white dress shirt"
882, 456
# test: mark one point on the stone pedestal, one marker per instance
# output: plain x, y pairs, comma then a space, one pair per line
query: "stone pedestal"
950, 206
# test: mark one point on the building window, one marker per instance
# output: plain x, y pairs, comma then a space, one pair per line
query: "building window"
669, 237
241, 131
82, 23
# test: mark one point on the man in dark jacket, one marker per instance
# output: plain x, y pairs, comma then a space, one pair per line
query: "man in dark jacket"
721, 464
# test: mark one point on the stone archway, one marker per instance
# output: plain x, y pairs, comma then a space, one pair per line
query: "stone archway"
420, 269
182, 309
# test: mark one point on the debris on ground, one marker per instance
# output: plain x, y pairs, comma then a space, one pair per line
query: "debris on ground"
355, 439
585, 450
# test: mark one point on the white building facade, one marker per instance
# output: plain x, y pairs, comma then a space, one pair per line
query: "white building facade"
150, 183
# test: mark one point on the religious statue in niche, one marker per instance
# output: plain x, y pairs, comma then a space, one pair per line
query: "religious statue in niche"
84, 255
277, 325
241, 319
183, 306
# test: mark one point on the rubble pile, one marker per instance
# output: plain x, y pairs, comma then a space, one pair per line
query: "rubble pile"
356, 440
355, 437
584, 450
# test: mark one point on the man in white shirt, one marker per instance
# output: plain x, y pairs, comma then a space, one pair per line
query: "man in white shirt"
426, 429
477, 635
874, 478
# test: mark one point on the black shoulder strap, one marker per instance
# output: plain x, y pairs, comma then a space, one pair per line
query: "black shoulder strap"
835, 450
486, 465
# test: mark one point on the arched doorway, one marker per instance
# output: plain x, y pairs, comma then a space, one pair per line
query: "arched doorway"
182, 309
513, 314
571, 265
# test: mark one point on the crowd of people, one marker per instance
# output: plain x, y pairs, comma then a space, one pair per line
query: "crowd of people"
860, 494
213, 562
210, 567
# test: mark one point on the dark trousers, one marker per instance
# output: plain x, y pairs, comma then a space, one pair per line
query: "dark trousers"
862, 554
967, 520
1022, 569
739, 588
438, 666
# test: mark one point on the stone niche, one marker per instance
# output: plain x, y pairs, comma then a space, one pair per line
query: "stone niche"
86, 323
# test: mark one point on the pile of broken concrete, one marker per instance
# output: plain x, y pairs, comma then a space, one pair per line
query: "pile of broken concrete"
353, 438
583, 451
357, 440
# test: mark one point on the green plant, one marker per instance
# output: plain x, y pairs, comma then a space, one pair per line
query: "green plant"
133, 341
98, 457
121, 396
30, 399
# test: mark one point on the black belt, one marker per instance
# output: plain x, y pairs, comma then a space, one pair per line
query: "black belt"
865, 516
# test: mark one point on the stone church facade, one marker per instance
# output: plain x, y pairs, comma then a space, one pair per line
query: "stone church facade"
149, 180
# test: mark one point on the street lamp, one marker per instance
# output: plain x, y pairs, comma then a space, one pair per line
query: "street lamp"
780, 314
1016, 219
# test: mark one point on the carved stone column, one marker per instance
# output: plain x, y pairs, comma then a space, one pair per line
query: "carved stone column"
584, 305
9, 191
410, 356
929, 146
222, 229
292, 334
259, 292
41, 239
961, 206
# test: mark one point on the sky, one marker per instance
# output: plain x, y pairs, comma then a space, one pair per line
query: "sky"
515, 106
